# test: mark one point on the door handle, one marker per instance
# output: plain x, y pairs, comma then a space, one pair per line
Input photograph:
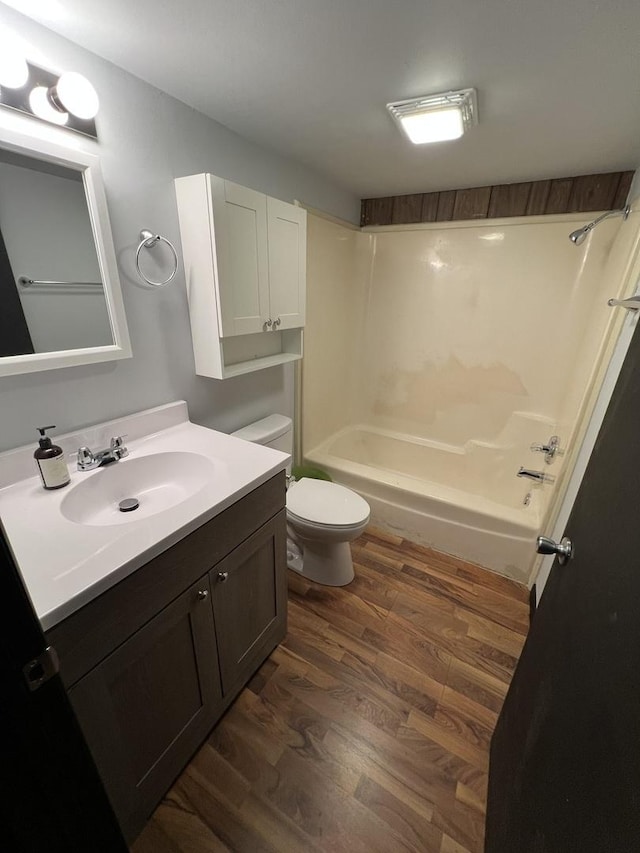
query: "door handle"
39, 670
563, 549
222, 577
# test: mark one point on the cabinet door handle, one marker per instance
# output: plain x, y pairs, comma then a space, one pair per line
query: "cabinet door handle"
277, 322
222, 576
268, 323
203, 594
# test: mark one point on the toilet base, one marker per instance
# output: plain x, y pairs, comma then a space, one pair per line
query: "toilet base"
294, 556
327, 563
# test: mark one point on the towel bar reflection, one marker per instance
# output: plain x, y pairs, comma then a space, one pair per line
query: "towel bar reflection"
24, 281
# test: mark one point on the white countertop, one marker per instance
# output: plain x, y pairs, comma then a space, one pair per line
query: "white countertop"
65, 564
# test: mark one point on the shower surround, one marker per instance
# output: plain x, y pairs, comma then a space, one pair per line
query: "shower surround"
435, 355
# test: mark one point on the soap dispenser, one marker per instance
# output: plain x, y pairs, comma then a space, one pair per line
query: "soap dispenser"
51, 462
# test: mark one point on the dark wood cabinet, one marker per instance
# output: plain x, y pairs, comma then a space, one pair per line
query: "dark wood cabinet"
153, 662
249, 603
151, 702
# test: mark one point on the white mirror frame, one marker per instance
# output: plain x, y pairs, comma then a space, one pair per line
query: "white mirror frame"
89, 165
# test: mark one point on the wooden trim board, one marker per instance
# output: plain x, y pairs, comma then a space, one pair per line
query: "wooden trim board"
579, 194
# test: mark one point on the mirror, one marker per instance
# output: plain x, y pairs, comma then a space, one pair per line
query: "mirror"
60, 298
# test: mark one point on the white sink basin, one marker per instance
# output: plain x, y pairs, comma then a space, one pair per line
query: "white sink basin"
73, 544
158, 481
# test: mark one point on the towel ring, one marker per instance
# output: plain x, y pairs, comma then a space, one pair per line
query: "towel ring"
149, 240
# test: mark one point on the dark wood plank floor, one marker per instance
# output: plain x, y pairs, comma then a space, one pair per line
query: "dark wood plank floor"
368, 729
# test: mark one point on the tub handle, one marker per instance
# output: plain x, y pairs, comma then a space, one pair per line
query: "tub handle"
550, 449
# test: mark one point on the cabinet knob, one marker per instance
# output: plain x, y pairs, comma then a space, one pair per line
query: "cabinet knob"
277, 322
222, 576
202, 594
268, 323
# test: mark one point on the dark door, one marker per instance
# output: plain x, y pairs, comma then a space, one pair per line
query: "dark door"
565, 756
15, 338
51, 797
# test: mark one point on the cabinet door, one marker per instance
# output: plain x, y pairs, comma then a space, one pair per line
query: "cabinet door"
287, 227
250, 602
240, 239
147, 707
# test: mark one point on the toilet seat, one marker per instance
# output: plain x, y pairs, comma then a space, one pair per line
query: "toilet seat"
324, 504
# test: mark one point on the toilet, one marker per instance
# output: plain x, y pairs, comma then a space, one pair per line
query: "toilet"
322, 517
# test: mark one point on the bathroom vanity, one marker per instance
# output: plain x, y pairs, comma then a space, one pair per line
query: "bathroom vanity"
153, 663
153, 651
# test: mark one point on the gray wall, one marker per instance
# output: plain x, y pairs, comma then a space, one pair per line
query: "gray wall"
146, 139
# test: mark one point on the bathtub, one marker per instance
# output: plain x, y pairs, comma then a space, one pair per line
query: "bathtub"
466, 501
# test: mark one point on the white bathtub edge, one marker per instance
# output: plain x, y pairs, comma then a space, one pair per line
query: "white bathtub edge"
509, 556
510, 552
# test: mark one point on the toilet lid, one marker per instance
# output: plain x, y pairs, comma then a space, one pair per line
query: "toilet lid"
327, 503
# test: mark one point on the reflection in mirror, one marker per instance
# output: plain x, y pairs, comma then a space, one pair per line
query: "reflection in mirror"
51, 294
66, 234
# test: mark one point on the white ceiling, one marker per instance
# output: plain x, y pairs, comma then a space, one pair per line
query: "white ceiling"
558, 80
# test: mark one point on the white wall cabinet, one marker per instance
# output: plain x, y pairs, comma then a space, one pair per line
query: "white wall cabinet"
245, 265
287, 244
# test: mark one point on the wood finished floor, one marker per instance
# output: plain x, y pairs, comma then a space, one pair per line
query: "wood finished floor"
368, 729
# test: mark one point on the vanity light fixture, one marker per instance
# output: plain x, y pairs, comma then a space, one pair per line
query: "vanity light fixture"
68, 99
75, 94
14, 72
42, 107
436, 118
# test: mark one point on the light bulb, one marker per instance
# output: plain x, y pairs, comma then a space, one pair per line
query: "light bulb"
42, 107
14, 71
434, 126
76, 94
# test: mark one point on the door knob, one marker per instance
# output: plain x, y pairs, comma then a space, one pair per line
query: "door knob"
222, 576
277, 322
202, 594
632, 303
267, 323
564, 549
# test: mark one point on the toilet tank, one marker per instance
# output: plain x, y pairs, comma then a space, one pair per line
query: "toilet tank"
273, 431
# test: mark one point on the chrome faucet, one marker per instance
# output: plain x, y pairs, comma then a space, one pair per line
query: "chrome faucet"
537, 476
550, 449
88, 460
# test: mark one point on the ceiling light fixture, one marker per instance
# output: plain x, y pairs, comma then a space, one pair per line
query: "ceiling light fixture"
68, 99
436, 118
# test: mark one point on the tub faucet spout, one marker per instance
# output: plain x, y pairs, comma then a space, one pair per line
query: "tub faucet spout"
536, 476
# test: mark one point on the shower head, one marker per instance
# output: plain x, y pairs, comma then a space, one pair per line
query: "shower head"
580, 235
